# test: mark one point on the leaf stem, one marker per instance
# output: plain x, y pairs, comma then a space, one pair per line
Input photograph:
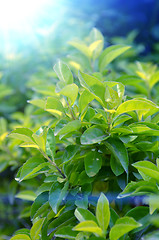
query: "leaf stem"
71, 112
53, 163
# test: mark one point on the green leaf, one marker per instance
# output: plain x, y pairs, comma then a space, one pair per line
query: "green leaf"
23, 231
148, 168
40, 138
152, 236
47, 90
60, 125
23, 134
85, 98
70, 91
113, 217
140, 214
93, 163
143, 128
36, 229
62, 220
66, 232
84, 215
42, 210
136, 105
3, 125
82, 47
39, 201
116, 166
93, 135
121, 119
26, 195
109, 54
123, 226
119, 151
63, 72
50, 143
97, 42
69, 153
94, 86
31, 167
111, 97
94, 47
70, 127
139, 188
38, 103
117, 87
54, 106
56, 195
44, 187
103, 212
88, 226
153, 202
154, 79
21, 237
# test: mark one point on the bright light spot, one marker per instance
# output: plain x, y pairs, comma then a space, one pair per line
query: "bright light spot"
19, 14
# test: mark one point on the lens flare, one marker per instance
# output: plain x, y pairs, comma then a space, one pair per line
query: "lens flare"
19, 14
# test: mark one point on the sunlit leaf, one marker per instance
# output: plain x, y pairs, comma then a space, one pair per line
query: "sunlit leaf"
123, 226
93, 135
103, 212
88, 226
109, 54
70, 91
63, 72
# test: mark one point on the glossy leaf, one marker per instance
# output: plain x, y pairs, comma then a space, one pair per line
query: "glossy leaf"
70, 152
50, 143
70, 91
54, 106
70, 127
82, 47
88, 226
56, 195
138, 188
93, 135
148, 168
111, 97
84, 215
123, 226
94, 86
116, 166
109, 54
31, 167
63, 72
103, 212
23, 134
66, 232
39, 201
62, 220
93, 163
26, 195
36, 229
85, 98
21, 237
135, 105
119, 151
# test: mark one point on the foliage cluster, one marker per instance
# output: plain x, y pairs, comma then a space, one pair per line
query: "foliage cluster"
90, 158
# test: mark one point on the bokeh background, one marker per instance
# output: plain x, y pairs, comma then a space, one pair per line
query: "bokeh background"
34, 35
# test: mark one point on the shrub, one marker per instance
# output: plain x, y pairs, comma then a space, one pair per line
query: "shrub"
96, 147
